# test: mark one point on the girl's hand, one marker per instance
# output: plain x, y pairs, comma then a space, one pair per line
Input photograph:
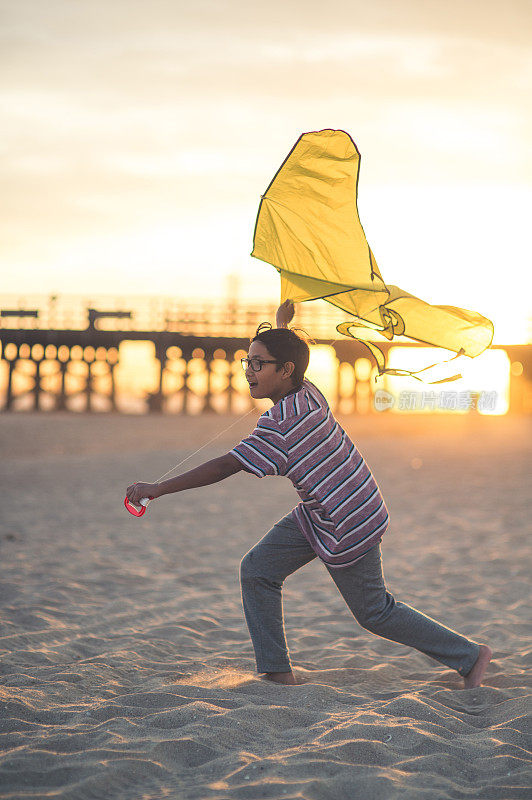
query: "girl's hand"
137, 491
285, 314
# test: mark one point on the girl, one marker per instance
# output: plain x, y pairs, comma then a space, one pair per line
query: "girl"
341, 518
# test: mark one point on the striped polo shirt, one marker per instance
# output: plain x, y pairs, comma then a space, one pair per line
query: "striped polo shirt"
342, 513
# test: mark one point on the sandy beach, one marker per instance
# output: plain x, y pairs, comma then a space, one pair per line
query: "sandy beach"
126, 666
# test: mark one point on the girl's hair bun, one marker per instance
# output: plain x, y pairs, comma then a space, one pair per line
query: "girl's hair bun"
264, 326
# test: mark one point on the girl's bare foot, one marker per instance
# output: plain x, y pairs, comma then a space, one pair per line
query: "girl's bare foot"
281, 677
474, 678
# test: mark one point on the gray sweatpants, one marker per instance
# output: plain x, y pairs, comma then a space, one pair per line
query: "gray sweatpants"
284, 550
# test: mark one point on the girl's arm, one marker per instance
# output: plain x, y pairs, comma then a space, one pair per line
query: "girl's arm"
207, 473
285, 314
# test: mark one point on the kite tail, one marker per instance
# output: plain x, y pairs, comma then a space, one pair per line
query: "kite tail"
380, 358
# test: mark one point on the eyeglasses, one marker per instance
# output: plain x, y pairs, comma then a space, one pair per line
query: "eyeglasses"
255, 363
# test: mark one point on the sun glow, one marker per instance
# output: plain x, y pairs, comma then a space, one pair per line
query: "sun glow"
485, 382
321, 369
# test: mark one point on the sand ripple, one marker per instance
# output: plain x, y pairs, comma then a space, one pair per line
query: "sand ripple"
126, 668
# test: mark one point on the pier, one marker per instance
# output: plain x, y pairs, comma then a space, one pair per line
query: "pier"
61, 355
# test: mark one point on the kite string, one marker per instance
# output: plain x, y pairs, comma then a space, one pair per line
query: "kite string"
203, 446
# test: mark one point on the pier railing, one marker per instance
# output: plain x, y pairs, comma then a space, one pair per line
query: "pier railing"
134, 313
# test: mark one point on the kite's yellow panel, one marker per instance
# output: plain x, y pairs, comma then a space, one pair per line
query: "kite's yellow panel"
308, 222
309, 229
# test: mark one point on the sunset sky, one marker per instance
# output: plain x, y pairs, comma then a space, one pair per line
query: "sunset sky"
137, 138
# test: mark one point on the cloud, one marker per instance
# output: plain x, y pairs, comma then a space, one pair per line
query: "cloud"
122, 116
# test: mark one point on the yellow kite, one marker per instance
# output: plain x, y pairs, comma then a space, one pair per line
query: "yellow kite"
308, 228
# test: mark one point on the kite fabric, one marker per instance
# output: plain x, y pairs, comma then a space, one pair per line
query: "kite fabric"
308, 228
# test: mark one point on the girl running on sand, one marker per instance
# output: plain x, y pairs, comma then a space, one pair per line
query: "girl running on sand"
341, 517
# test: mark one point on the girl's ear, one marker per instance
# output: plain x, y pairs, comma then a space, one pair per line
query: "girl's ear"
288, 368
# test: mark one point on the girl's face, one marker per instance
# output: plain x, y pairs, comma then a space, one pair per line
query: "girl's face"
269, 380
